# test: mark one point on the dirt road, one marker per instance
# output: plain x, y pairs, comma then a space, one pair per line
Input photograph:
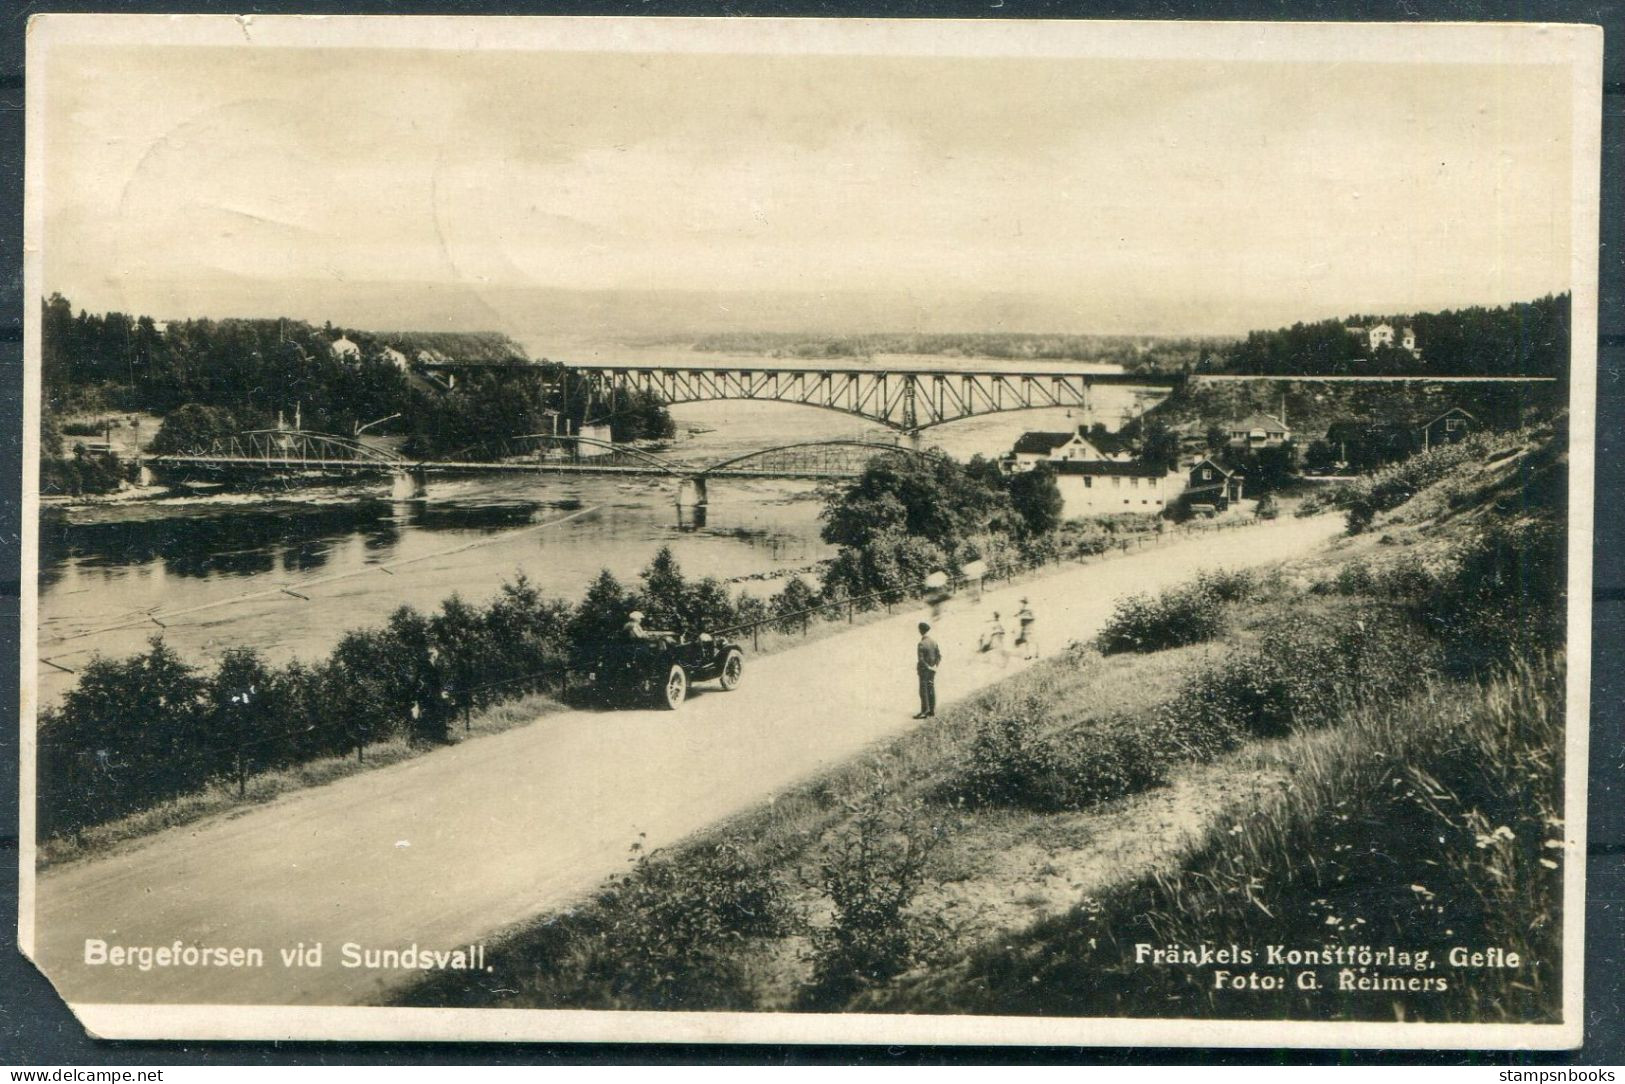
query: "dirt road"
442, 850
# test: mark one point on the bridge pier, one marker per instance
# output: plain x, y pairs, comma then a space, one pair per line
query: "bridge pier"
691, 502
409, 485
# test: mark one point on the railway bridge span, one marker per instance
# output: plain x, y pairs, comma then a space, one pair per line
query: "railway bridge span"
905, 399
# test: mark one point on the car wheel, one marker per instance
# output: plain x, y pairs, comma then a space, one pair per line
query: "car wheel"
675, 690
733, 670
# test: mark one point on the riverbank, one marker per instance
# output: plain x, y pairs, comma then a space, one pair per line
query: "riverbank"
538, 815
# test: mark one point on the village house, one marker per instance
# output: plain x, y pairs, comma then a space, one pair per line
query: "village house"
1453, 425
1257, 431
1385, 335
344, 349
1212, 486
1035, 447
1366, 444
1362, 445
1105, 487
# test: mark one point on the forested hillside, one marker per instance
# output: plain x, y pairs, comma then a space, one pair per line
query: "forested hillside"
237, 374
1309, 407
1528, 339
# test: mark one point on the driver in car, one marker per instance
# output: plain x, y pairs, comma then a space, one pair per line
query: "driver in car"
635, 631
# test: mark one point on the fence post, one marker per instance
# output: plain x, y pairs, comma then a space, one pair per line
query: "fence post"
851, 609
756, 637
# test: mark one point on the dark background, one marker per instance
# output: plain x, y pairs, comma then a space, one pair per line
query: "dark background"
37, 1029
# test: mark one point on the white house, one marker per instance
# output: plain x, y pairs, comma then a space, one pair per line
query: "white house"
1385, 335
345, 350
1035, 447
1258, 431
1113, 488
395, 358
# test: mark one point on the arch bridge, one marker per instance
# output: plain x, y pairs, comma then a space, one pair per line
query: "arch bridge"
297, 453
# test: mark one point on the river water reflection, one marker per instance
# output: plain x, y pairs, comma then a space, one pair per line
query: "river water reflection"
287, 573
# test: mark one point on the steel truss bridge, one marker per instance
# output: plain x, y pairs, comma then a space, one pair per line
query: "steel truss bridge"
298, 453
904, 399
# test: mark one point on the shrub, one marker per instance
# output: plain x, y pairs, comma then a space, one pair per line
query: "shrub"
1390, 487
1182, 615
82, 474
796, 598
1013, 761
1229, 584
666, 935
871, 871
1502, 592
1304, 673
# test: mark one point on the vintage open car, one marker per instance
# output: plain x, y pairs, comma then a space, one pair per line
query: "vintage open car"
661, 673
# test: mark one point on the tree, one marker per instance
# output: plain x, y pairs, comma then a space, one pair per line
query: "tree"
598, 619
1159, 445
421, 668
241, 713
929, 498
461, 652
192, 429
1037, 498
361, 687
796, 598
136, 728
527, 633
664, 599
640, 415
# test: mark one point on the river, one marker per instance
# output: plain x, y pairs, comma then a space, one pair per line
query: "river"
288, 572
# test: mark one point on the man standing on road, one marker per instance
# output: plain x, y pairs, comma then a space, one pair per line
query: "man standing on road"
1025, 637
927, 658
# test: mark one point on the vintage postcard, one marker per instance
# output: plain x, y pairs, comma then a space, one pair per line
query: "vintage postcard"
814, 531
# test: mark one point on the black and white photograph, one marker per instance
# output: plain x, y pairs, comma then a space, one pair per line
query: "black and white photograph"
812, 531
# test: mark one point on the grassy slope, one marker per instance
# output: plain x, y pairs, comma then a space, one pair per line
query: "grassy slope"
1028, 907
1474, 768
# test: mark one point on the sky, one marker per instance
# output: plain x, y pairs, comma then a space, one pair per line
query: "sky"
590, 195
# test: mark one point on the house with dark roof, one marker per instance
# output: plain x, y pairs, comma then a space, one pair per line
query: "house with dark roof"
1453, 425
1212, 485
1035, 447
1361, 445
1112, 487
